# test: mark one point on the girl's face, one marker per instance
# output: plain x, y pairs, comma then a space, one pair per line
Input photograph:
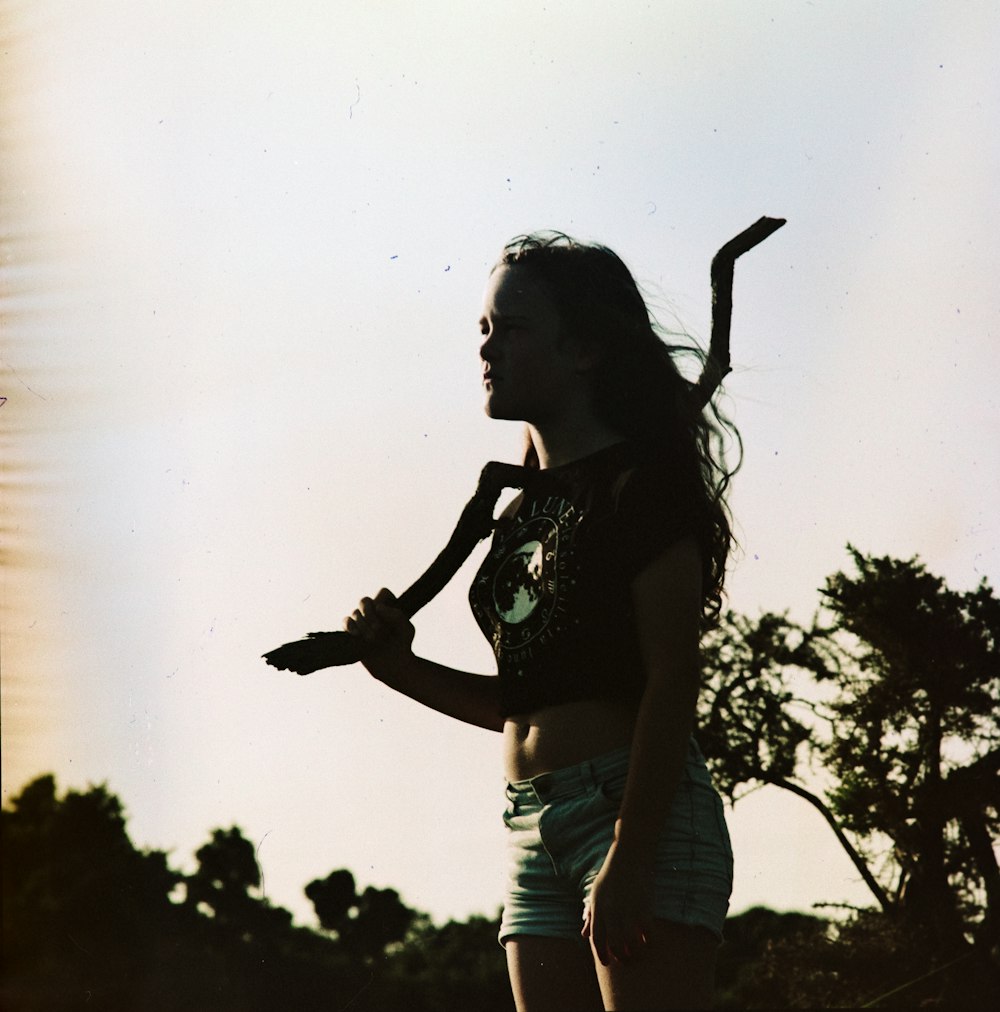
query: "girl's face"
531, 368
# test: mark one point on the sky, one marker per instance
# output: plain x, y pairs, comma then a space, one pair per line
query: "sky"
244, 251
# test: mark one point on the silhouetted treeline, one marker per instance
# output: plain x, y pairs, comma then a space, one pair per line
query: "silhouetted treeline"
893, 692
91, 922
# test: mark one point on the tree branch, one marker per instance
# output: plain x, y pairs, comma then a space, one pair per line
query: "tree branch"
331, 649
884, 902
717, 365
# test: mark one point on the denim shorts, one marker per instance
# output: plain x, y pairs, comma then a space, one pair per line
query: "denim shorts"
560, 826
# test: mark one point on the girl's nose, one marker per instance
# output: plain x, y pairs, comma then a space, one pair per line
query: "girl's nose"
486, 348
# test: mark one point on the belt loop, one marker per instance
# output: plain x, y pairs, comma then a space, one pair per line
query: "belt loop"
588, 776
540, 785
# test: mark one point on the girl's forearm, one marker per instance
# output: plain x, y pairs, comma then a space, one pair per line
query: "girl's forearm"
472, 698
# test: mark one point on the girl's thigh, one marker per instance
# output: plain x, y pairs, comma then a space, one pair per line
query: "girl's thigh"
551, 975
674, 970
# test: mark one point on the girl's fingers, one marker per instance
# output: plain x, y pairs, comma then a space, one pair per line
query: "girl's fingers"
611, 946
362, 622
375, 617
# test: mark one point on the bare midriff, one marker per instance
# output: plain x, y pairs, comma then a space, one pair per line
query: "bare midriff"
559, 736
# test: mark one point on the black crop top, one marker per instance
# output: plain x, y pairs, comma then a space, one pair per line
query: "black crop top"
553, 595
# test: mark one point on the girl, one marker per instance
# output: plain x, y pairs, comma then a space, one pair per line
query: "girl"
600, 578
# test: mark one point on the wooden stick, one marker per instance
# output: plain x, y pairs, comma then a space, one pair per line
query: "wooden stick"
717, 365
331, 649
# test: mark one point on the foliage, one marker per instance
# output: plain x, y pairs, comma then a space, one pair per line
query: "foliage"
748, 725
364, 924
73, 886
750, 940
869, 960
90, 921
916, 733
885, 716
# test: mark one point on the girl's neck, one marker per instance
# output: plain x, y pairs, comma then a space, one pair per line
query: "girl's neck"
562, 444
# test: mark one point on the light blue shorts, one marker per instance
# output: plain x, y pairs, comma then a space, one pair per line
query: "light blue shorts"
561, 825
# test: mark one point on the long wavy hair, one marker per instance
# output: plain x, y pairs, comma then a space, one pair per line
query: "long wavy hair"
638, 389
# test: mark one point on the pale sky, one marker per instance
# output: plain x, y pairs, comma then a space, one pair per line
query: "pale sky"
245, 247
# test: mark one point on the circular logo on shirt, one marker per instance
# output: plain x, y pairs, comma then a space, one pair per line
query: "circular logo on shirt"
523, 585
518, 585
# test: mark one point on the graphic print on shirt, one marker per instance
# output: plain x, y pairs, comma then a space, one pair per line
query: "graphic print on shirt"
528, 580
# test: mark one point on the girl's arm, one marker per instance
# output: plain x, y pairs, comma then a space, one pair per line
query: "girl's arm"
667, 601
389, 657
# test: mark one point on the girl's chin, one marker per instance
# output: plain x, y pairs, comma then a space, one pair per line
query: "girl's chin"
503, 409
494, 407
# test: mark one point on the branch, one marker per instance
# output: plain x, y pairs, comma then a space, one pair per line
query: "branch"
331, 649
884, 902
717, 365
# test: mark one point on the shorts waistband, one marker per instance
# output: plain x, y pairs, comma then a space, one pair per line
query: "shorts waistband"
584, 777
579, 779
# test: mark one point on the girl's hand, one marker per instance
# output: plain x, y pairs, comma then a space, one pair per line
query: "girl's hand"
619, 915
387, 632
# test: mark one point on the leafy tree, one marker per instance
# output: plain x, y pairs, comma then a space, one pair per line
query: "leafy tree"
382, 919
333, 898
916, 734
84, 912
753, 726
885, 716
227, 871
365, 924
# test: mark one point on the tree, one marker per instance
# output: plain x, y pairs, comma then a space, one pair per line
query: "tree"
83, 910
365, 924
891, 699
333, 898
916, 742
